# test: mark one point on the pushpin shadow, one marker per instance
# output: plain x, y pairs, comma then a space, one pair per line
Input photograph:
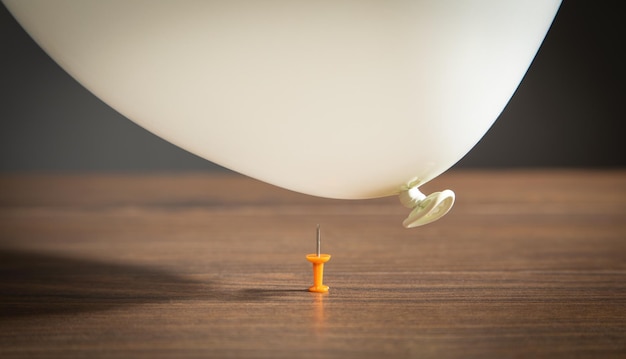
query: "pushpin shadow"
258, 294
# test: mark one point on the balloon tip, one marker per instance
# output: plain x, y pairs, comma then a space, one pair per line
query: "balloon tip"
426, 209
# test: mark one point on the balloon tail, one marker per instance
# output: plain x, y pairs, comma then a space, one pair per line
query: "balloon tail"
426, 209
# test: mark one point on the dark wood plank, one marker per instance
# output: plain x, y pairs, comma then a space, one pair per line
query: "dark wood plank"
527, 264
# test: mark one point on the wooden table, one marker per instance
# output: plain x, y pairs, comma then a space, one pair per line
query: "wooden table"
527, 264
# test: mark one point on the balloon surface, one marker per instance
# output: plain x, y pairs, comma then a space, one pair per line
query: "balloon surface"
334, 98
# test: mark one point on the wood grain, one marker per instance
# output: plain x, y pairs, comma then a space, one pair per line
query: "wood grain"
527, 264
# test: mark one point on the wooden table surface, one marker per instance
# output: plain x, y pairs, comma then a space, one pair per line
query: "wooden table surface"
527, 264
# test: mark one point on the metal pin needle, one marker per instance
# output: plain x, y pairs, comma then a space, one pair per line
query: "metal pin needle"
319, 241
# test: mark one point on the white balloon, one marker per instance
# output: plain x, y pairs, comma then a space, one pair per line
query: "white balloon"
344, 99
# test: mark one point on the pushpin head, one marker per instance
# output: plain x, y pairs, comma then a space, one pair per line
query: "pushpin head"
315, 259
318, 272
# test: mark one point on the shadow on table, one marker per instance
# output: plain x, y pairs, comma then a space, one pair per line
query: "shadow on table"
34, 283
256, 294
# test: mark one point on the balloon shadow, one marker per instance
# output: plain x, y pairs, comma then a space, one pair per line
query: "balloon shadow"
34, 283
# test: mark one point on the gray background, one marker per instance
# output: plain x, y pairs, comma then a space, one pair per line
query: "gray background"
566, 112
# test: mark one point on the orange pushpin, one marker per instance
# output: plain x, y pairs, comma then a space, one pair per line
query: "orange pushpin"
318, 261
